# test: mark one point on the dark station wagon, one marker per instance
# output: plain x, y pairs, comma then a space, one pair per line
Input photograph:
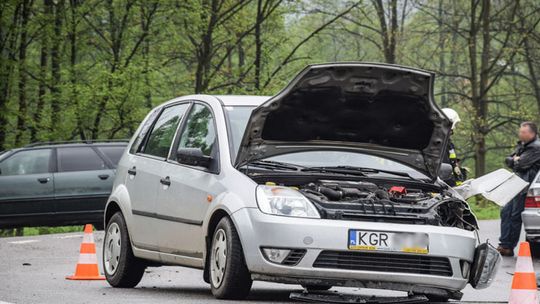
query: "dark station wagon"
55, 184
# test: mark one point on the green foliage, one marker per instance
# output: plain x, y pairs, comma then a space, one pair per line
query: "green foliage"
119, 58
484, 210
29, 231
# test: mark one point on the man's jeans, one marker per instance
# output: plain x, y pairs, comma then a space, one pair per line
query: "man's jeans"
511, 221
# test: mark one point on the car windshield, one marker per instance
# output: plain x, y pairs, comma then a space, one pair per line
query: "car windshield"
346, 159
238, 117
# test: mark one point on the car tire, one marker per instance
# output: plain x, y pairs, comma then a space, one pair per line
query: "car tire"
437, 299
229, 276
122, 269
535, 248
317, 287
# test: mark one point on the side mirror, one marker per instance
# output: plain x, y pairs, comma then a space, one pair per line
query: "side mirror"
193, 157
446, 171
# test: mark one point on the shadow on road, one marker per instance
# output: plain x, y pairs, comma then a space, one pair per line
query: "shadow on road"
201, 293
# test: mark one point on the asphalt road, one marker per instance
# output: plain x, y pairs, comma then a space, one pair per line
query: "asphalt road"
33, 270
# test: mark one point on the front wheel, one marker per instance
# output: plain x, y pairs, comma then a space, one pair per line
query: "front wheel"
229, 276
122, 268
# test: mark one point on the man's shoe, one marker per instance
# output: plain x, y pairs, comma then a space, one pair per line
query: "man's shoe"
505, 251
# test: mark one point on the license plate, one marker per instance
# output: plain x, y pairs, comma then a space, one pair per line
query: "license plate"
388, 241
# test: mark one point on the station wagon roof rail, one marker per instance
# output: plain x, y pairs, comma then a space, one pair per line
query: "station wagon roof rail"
63, 142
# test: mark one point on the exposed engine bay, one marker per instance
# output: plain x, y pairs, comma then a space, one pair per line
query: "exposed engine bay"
383, 201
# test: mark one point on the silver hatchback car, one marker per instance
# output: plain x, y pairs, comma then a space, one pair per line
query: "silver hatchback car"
531, 217
331, 182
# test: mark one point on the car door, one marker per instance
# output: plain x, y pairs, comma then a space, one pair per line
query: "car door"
184, 200
145, 163
26, 186
83, 182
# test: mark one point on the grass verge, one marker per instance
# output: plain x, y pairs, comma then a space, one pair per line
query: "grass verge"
29, 231
483, 209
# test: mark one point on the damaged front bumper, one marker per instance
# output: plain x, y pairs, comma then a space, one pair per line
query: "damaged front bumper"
318, 254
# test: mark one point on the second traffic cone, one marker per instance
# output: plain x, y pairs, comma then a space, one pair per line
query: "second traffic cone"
87, 266
524, 281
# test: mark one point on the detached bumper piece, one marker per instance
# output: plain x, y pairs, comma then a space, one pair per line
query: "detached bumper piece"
384, 262
357, 299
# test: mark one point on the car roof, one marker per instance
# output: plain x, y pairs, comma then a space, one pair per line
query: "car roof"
44, 145
242, 100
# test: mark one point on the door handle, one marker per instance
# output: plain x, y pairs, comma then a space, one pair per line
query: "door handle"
132, 171
103, 176
43, 180
165, 181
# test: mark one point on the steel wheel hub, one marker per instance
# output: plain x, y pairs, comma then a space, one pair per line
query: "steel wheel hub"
112, 248
218, 257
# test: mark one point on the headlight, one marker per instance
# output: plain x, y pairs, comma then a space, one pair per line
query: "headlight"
284, 201
487, 261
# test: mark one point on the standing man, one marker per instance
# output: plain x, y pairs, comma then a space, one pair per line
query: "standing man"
458, 174
525, 162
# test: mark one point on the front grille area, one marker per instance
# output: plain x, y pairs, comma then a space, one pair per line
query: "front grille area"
384, 262
294, 257
374, 211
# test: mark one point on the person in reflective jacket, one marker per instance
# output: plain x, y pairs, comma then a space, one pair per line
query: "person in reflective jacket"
525, 162
459, 174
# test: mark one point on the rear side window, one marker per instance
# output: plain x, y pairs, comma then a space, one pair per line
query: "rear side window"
160, 139
144, 129
79, 159
26, 162
114, 153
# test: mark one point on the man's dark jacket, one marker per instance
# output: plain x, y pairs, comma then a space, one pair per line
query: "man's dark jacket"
528, 163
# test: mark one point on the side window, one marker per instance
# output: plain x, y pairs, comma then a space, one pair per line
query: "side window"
79, 159
160, 139
199, 131
26, 162
135, 147
114, 153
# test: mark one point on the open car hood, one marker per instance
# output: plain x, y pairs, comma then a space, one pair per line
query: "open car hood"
378, 109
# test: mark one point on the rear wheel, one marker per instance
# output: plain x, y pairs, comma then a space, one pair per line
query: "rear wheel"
122, 268
229, 276
535, 248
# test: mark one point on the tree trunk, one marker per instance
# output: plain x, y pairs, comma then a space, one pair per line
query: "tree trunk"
6, 71
74, 94
388, 31
23, 103
204, 52
482, 107
258, 45
43, 62
56, 102
533, 76
442, 59
116, 45
146, 61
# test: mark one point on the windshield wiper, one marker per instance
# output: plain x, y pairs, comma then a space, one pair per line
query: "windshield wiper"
357, 170
270, 164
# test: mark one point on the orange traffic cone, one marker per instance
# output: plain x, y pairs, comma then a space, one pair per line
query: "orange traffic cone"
87, 267
524, 281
